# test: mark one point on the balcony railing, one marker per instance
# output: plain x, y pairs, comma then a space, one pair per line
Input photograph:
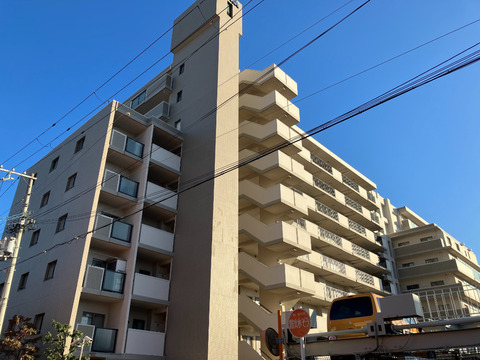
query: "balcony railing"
332, 293
356, 227
333, 238
104, 340
143, 342
353, 204
301, 223
326, 210
98, 278
124, 143
107, 227
370, 196
358, 250
321, 163
119, 183
364, 277
350, 182
334, 265
324, 186
374, 217
165, 157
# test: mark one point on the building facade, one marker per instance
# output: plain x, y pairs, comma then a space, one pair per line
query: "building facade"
179, 222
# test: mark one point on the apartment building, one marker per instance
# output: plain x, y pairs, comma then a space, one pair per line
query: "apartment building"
159, 246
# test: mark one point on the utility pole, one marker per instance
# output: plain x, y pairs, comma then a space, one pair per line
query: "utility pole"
24, 221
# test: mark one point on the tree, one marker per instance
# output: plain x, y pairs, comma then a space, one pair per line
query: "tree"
58, 349
19, 340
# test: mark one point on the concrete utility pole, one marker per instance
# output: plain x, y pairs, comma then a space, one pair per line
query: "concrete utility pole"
24, 221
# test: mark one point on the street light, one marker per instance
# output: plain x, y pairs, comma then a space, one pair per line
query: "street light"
81, 342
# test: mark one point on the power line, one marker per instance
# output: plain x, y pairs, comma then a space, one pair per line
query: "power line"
412, 84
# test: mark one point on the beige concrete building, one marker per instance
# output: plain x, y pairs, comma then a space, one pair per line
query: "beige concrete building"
159, 247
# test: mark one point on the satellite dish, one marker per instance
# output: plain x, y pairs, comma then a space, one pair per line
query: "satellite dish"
270, 336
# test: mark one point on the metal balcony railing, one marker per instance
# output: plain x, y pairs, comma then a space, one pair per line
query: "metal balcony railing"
374, 217
353, 204
326, 210
364, 277
350, 182
329, 236
334, 265
301, 223
324, 186
125, 143
321, 163
113, 281
358, 250
356, 227
104, 340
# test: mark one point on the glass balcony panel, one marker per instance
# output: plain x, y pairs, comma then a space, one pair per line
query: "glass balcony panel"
121, 231
104, 340
128, 186
134, 147
113, 281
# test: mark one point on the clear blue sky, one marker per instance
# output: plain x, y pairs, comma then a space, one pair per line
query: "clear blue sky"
420, 149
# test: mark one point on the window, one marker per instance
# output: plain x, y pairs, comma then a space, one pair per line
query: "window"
403, 243
35, 236
79, 145
71, 182
413, 287
138, 324
45, 198
458, 246
2, 285
38, 321
181, 69
407, 264
431, 260
50, 270
178, 124
437, 283
61, 223
449, 241
179, 96
89, 318
139, 99
230, 9
54, 164
23, 281
428, 238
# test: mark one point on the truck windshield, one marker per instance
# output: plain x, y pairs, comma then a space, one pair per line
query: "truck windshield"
351, 308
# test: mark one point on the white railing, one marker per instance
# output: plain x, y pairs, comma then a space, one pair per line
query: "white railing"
334, 265
156, 238
324, 186
358, 250
356, 227
151, 287
165, 157
301, 223
374, 217
353, 204
321, 163
143, 342
364, 277
160, 195
332, 293
327, 235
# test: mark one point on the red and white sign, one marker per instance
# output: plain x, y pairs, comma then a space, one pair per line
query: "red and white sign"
299, 323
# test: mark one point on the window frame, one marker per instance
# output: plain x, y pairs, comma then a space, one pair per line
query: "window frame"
45, 198
22, 284
79, 145
71, 182
61, 222
50, 270
35, 237
139, 99
38, 319
54, 164
179, 96
181, 69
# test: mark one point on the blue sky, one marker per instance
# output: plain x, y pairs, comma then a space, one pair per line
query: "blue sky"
420, 149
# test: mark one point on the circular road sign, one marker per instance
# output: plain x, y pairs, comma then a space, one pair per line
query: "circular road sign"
299, 323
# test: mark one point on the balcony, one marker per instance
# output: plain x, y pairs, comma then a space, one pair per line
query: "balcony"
268, 107
285, 239
154, 93
156, 239
119, 185
281, 278
165, 158
143, 342
111, 230
150, 288
161, 196
265, 81
337, 272
104, 282
125, 144
269, 135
